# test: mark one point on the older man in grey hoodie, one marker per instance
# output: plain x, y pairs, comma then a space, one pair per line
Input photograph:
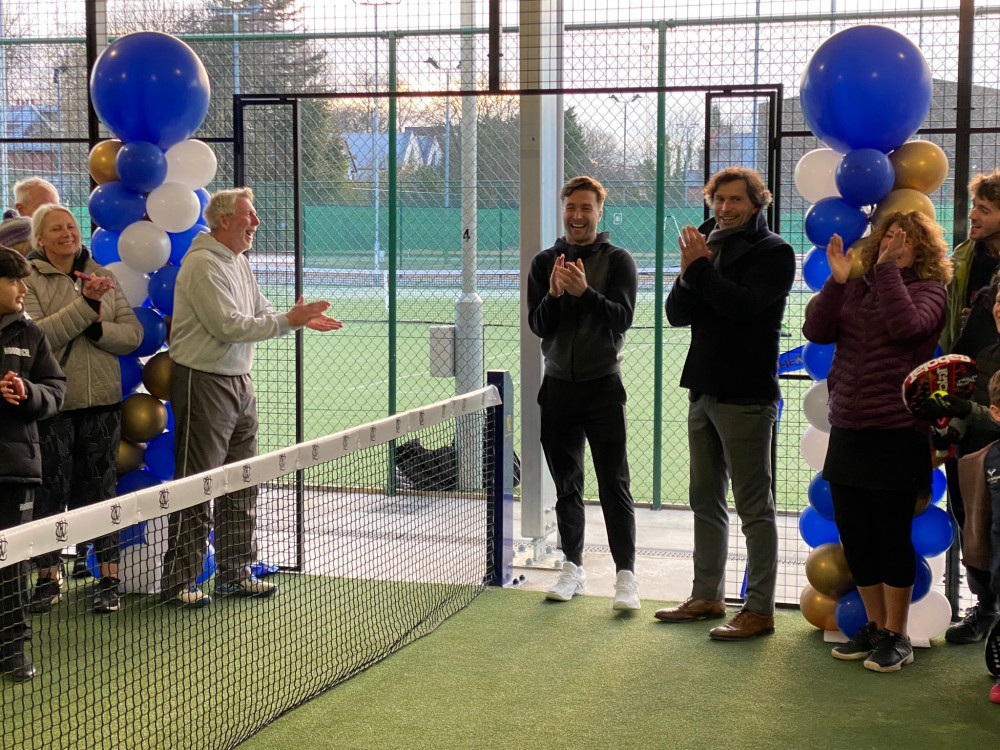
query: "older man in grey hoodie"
219, 312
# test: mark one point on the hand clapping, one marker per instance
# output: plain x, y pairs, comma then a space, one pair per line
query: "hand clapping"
12, 388
310, 315
569, 277
840, 263
94, 287
693, 246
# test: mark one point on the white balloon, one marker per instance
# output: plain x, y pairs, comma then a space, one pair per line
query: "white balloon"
191, 163
929, 617
814, 444
816, 406
134, 284
173, 207
937, 568
143, 246
816, 174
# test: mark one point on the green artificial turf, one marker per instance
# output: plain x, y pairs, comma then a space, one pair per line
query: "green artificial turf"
515, 671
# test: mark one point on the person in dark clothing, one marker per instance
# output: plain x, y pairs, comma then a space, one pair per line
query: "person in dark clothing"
732, 289
581, 298
32, 387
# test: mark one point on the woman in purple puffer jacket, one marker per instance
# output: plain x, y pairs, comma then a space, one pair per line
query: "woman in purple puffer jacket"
885, 322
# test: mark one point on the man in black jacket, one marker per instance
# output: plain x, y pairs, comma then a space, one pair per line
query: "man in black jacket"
581, 297
733, 284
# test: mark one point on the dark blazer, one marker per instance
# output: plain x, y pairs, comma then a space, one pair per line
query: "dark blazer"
735, 314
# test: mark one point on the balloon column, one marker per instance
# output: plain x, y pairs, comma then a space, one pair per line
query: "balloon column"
864, 93
152, 92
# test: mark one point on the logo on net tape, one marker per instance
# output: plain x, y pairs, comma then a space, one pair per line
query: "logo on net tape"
282, 461
399, 425
371, 434
3, 548
116, 514
315, 450
420, 418
62, 530
206, 485
247, 473
164, 499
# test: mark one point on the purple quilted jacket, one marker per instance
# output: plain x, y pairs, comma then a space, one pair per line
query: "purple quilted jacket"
884, 324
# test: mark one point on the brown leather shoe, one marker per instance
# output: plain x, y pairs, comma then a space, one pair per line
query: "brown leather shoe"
692, 609
744, 625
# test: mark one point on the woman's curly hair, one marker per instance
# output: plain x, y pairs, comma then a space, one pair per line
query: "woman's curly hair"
930, 251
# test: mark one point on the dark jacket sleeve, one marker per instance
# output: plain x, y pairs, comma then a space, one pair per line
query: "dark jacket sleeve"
543, 308
910, 313
617, 305
45, 385
822, 322
681, 304
980, 330
769, 280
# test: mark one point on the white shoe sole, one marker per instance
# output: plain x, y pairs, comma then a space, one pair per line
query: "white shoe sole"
626, 607
555, 596
894, 668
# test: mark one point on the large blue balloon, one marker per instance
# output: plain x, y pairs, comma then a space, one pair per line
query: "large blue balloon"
151, 87
170, 416
939, 483
865, 87
932, 532
830, 216
850, 613
131, 370
160, 456
161, 289
864, 176
104, 246
817, 358
141, 166
154, 331
180, 242
114, 206
816, 530
815, 268
134, 481
922, 582
820, 498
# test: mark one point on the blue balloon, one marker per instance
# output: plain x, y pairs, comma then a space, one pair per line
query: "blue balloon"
134, 481
932, 532
203, 198
939, 485
817, 358
170, 416
114, 206
209, 568
865, 176
161, 289
180, 242
154, 331
922, 582
131, 369
104, 246
160, 456
141, 166
150, 87
829, 216
820, 498
850, 613
815, 269
816, 530
865, 87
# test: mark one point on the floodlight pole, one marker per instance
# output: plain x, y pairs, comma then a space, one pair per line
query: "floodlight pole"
447, 124
249, 10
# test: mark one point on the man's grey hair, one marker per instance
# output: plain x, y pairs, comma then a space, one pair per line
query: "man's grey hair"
23, 187
223, 203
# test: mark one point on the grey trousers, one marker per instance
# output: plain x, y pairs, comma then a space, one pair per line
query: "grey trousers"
215, 424
733, 441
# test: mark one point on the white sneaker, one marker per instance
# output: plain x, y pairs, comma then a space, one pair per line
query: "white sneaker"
626, 592
572, 581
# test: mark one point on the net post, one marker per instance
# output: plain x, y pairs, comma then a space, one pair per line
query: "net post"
501, 566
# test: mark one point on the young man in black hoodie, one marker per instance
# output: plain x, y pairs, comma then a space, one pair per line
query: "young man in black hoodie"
32, 387
581, 297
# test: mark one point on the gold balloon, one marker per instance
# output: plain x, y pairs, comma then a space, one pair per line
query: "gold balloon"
102, 161
809, 303
856, 268
819, 609
919, 165
130, 456
156, 375
827, 571
143, 417
904, 201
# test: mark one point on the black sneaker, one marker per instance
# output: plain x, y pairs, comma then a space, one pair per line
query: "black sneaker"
106, 598
892, 653
80, 569
993, 651
861, 645
974, 626
45, 595
15, 663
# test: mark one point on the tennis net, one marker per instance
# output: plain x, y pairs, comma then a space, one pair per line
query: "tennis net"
374, 536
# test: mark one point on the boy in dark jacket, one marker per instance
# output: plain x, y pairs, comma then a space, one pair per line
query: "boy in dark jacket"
32, 387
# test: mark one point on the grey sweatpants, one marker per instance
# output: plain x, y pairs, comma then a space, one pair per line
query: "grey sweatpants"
215, 423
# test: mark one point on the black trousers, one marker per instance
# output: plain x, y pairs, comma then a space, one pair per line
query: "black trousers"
79, 459
15, 508
874, 528
589, 412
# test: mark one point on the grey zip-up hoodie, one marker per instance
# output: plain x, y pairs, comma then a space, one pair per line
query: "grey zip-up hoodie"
219, 311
